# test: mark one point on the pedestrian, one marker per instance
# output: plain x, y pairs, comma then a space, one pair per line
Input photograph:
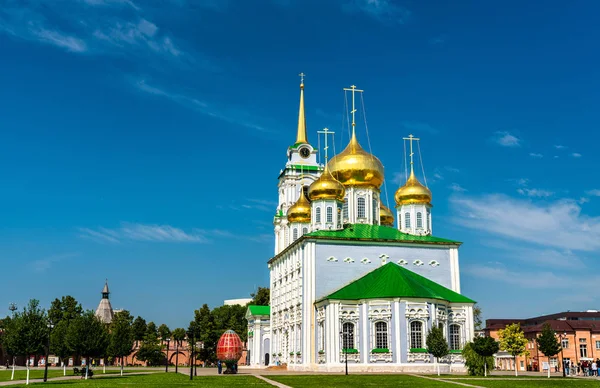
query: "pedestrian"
219, 366
567, 366
594, 369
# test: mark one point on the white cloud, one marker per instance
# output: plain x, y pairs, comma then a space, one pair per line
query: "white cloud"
143, 33
539, 193
576, 155
451, 169
557, 224
57, 38
534, 155
457, 188
111, 3
506, 139
593, 193
560, 147
142, 232
543, 257
382, 10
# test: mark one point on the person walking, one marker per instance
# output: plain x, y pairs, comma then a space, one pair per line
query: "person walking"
219, 366
594, 369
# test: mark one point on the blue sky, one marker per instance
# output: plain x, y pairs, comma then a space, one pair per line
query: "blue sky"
141, 142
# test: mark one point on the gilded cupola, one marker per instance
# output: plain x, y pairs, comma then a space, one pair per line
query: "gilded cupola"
326, 187
413, 192
386, 217
356, 167
300, 211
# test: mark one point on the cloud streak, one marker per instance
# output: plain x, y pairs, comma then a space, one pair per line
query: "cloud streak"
46, 263
142, 232
506, 139
384, 11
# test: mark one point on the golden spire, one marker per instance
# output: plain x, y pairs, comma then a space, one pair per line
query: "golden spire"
301, 136
413, 192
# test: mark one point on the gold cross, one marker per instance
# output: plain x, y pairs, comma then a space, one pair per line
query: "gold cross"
301, 77
353, 90
410, 138
326, 132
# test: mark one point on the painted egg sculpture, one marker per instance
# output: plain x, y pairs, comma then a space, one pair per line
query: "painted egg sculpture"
229, 347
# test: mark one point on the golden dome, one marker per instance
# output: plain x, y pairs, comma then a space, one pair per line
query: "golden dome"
356, 167
326, 187
412, 192
300, 211
386, 217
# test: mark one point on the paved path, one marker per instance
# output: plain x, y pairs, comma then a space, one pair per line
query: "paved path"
275, 383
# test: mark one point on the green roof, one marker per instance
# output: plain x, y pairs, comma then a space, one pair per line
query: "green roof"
259, 310
375, 233
394, 281
296, 145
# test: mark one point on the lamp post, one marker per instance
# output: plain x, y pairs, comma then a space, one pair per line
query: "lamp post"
563, 336
342, 334
50, 326
192, 357
167, 361
13, 307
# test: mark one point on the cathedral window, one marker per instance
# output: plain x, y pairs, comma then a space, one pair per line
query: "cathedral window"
329, 214
321, 336
318, 214
345, 209
304, 230
407, 220
360, 205
295, 235
416, 334
419, 220
375, 212
454, 337
381, 335
348, 335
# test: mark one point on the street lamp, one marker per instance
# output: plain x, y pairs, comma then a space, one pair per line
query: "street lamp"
562, 337
192, 356
342, 334
167, 362
50, 327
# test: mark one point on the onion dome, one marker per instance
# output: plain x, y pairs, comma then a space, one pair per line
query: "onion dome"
300, 211
386, 217
413, 192
326, 187
356, 167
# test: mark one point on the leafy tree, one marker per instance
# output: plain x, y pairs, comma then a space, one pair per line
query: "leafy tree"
206, 333
121, 336
151, 350
512, 340
178, 337
548, 343
65, 308
87, 336
58, 342
437, 345
152, 329
193, 334
262, 297
164, 332
475, 363
139, 329
477, 317
485, 347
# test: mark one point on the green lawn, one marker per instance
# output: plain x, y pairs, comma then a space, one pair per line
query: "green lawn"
326, 381
537, 383
162, 380
21, 374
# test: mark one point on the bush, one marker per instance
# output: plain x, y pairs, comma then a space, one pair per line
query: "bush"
474, 362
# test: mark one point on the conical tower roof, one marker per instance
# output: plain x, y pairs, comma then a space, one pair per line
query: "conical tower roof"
105, 311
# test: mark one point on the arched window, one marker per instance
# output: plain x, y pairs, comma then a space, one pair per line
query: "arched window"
345, 209
360, 207
427, 220
348, 335
416, 334
318, 214
329, 215
454, 337
419, 220
375, 220
407, 220
304, 230
321, 336
381, 335
295, 234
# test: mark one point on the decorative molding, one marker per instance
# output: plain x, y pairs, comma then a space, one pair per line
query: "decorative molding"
418, 262
365, 260
419, 357
322, 358
348, 260
453, 358
352, 357
331, 258
402, 262
384, 256
385, 357
417, 312
434, 263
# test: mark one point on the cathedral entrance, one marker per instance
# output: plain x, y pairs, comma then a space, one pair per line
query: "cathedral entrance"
267, 359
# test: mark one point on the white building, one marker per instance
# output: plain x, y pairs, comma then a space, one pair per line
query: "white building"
344, 281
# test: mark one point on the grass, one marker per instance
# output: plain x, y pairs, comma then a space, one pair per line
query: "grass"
161, 380
537, 383
35, 373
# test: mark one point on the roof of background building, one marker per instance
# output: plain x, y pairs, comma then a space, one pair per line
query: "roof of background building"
560, 322
394, 281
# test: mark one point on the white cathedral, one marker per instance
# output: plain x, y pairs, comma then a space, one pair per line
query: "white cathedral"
345, 283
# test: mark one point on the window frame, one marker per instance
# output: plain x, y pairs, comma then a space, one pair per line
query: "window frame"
381, 337
295, 234
348, 336
455, 337
329, 214
318, 214
407, 220
361, 207
419, 220
413, 334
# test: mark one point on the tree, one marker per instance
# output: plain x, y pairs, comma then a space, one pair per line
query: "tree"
474, 362
87, 336
437, 345
65, 308
164, 332
477, 317
121, 336
512, 340
139, 329
262, 297
178, 337
58, 342
548, 343
152, 329
151, 350
206, 333
485, 347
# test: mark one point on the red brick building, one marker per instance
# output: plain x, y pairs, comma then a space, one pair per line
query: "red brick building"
579, 333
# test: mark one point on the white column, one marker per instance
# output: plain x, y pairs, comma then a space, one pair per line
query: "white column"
397, 331
365, 336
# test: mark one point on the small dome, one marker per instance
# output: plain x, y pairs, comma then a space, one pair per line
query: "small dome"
326, 187
300, 211
356, 167
386, 217
413, 192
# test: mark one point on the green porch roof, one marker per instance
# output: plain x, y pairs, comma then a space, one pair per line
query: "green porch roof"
375, 233
259, 310
394, 281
